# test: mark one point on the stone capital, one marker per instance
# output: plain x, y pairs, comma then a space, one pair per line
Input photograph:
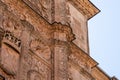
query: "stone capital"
62, 32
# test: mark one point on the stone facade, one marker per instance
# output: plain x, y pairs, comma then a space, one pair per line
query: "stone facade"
47, 40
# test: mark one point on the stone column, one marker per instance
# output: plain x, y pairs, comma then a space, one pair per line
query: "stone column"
62, 37
60, 60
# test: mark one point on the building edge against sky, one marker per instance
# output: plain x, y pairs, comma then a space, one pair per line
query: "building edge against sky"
47, 40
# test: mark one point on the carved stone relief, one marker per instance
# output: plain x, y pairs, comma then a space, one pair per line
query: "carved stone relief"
10, 38
12, 25
41, 49
34, 75
42, 7
34, 69
10, 54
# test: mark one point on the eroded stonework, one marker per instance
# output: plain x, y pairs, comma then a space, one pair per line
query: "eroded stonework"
45, 40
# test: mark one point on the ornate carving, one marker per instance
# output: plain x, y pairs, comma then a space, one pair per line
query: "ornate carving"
12, 41
41, 49
64, 31
33, 68
77, 60
9, 56
33, 75
10, 23
42, 7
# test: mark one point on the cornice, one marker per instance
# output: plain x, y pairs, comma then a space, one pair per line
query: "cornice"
81, 58
85, 7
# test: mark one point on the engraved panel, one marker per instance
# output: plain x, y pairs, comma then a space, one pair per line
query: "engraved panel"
42, 7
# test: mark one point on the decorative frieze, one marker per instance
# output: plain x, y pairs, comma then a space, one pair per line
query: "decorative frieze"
11, 40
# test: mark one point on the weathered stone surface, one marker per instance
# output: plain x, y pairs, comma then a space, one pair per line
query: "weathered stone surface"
46, 40
42, 7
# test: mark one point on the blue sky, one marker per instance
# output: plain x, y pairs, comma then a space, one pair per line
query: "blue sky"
104, 36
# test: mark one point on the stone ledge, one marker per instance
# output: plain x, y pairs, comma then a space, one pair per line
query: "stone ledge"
85, 7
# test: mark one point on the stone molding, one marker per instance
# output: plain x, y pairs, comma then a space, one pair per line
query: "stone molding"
42, 7
82, 59
85, 7
81, 70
